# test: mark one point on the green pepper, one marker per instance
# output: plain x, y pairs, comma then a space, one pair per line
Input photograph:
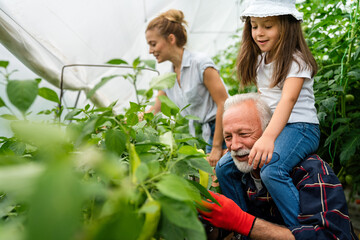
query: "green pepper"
152, 216
134, 162
204, 176
349, 98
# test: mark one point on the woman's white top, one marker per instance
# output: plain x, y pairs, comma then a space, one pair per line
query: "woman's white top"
193, 91
304, 109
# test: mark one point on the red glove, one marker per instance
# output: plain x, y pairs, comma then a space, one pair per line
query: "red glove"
229, 216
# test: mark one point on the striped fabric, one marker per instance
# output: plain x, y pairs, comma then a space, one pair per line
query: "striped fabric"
323, 208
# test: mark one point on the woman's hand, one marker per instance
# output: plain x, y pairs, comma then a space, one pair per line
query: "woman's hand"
214, 156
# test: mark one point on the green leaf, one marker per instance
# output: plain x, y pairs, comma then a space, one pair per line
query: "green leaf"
201, 163
8, 117
168, 108
141, 92
19, 180
117, 61
4, 64
103, 81
17, 147
149, 93
150, 63
192, 117
72, 114
22, 93
188, 150
49, 94
180, 213
2, 103
204, 192
142, 172
115, 141
354, 74
136, 62
168, 230
132, 119
329, 74
58, 197
123, 224
167, 138
178, 188
349, 148
38, 80
356, 54
337, 134
329, 103
134, 107
163, 81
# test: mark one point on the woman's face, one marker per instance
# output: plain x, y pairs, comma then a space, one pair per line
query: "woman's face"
158, 45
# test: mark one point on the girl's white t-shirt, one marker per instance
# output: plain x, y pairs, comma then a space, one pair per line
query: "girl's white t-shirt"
304, 109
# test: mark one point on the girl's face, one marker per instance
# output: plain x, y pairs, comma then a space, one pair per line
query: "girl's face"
265, 32
158, 45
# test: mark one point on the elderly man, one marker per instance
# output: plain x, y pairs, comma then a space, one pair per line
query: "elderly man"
324, 212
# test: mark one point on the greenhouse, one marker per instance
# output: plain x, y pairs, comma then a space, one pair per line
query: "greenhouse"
154, 119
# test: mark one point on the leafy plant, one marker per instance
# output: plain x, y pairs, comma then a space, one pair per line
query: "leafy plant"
332, 33
103, 176
22, 93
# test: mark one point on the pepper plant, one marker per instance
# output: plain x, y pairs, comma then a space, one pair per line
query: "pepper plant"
98, 175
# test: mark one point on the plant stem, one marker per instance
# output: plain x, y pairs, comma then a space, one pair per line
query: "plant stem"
352, 33
147, 192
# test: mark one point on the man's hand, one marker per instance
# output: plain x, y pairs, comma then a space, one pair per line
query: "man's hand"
228, 216
261, 151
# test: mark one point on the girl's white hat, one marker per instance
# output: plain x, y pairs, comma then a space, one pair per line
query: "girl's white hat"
268, 8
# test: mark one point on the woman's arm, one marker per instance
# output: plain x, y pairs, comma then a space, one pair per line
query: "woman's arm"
218, 93
264, 146
157, 106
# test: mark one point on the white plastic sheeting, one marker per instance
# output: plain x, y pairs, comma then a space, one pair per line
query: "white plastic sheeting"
45, 35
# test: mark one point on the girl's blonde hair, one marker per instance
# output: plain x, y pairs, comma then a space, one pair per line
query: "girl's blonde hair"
291, 43
170, 22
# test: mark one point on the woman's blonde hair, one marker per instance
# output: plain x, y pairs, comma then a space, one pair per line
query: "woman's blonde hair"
291, 43
170, 22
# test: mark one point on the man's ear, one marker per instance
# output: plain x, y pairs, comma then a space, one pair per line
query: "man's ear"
172, 38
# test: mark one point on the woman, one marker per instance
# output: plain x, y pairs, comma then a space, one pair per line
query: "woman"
198, 81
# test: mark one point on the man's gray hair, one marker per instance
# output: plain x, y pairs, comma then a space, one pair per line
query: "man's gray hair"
262, 108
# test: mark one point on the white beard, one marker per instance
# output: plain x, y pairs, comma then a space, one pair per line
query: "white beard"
242, 166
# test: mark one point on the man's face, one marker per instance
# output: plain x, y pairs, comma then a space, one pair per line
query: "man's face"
241, 128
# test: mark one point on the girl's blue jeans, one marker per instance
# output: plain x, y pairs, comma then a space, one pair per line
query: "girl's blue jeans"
295, 142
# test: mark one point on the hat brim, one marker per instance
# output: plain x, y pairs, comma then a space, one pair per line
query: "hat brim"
264, 10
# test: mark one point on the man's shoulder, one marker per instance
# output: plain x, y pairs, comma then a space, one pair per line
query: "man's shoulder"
312, 165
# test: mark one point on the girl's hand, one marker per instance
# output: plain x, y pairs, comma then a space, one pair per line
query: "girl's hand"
214, 156
261, 151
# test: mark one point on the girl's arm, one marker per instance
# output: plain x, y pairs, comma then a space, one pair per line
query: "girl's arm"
218, 93
264, 146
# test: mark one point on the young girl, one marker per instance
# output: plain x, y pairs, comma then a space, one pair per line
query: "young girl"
275, 57
198, 80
